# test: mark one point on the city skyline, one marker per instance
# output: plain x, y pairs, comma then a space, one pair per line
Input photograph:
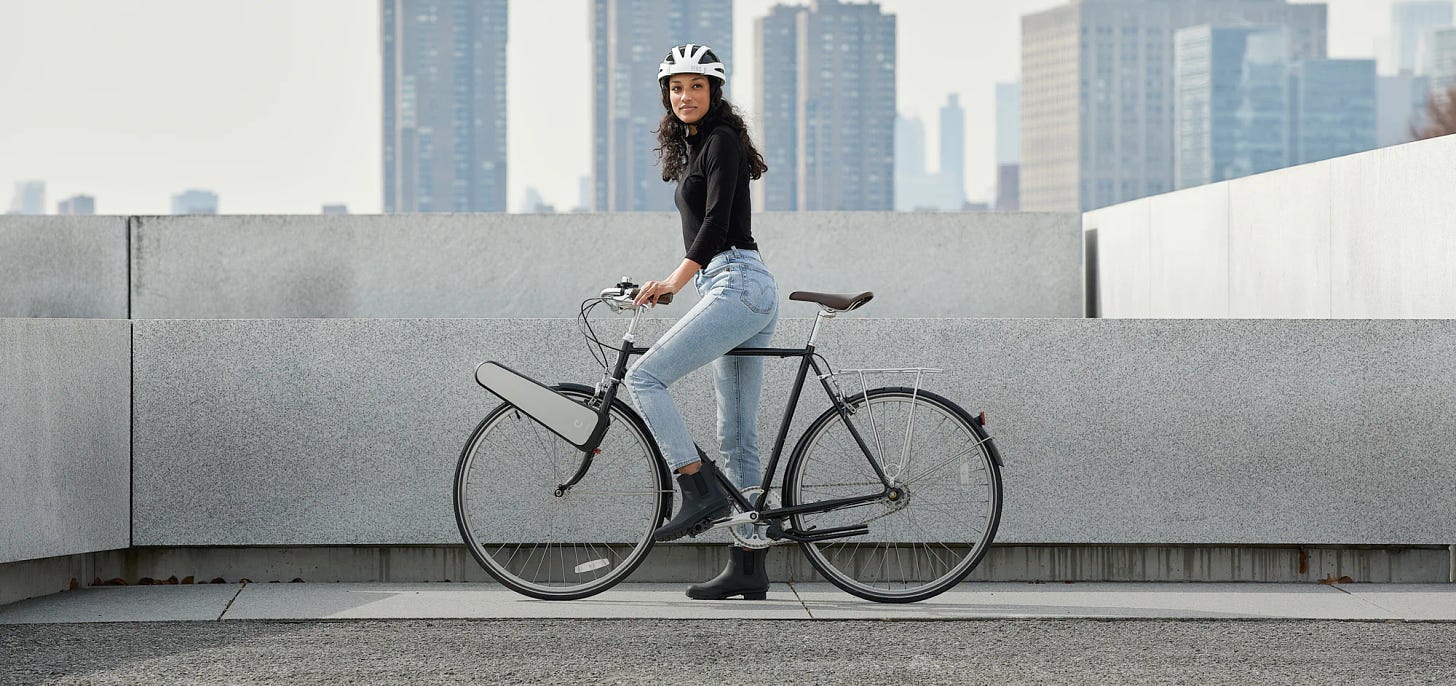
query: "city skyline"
285, 129
1102, 132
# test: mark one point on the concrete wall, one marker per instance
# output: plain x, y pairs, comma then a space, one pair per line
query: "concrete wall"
63, 267
1364, 236
479, 265
65, 421
309, 432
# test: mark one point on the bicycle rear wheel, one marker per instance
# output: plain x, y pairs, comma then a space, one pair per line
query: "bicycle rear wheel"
932, 536
559, 547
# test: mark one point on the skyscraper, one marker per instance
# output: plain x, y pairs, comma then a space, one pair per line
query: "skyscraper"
444, 105
910, 172
1097, 92
629, 39
916, 189
776, 44
1441, 59
77, 204
1401, 101
834, 133
1333, 111
194, 202
846, 113
1411, 22
29, 198
1008, 147
953, 145
1231, 103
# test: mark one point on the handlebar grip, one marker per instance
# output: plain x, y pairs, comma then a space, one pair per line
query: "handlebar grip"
663, 299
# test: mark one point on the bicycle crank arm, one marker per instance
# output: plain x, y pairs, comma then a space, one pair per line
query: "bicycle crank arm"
745, 518
775, 531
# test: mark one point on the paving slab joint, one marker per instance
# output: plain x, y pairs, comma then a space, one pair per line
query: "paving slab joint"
799, 598
229, 605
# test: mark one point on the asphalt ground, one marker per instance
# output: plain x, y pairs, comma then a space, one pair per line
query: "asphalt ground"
985, 651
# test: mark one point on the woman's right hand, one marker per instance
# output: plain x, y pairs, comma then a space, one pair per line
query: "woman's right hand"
654, 292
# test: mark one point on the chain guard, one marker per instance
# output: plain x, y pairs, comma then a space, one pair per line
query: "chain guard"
759, 540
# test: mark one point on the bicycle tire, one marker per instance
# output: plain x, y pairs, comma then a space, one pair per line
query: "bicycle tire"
846, 563
589, 554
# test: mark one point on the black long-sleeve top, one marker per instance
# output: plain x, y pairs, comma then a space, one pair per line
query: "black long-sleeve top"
712, 194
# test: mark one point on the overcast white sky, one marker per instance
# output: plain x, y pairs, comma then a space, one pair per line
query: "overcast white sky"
275, 104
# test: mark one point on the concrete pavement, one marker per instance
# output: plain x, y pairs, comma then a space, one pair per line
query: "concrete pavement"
367, 601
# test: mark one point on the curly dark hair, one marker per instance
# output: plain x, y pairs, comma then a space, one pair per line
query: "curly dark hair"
672, 146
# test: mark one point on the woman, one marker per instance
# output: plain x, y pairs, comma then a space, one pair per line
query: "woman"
704, 146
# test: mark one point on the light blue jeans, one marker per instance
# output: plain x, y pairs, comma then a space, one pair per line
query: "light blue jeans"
739, 308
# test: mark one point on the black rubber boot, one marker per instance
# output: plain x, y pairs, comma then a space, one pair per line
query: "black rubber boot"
703, 500
745, 576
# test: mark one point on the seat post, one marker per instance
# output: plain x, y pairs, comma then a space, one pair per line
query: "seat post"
824, 313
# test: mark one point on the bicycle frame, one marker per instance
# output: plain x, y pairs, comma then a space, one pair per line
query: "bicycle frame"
806, 356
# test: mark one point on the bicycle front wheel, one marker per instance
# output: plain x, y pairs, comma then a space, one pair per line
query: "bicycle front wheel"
568, 546
948, 501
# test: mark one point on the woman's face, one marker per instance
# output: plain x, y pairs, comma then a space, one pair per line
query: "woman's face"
690, 95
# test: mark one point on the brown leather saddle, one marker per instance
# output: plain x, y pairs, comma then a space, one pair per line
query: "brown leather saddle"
839, 302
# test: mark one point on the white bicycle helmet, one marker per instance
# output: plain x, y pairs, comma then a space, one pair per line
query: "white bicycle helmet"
692, 59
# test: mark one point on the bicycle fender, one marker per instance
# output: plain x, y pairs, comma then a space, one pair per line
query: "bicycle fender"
574, 422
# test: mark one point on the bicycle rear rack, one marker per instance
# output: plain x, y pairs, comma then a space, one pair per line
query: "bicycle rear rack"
864, 392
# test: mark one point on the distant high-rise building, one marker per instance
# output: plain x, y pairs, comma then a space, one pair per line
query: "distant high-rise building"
1008, 147
833, 133
1231, 103
444, 105
1333, 109
629, 39
533, 203
1411, 22
194, 202
1441, 59
1401, 107
77, 204
335, 209
1097, 92
915, 187
953, 145
585, 196
909, 149
29, 198
846, 113
776, 45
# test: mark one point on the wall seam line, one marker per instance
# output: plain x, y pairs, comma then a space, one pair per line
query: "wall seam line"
131, 438
131, 222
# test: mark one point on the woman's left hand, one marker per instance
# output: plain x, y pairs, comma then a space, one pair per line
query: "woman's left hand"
652, 290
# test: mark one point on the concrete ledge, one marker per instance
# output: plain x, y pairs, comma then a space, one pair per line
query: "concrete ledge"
491, 265
65, 437
683, 563
1316, 432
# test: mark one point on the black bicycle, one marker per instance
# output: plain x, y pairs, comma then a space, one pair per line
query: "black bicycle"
893, 493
